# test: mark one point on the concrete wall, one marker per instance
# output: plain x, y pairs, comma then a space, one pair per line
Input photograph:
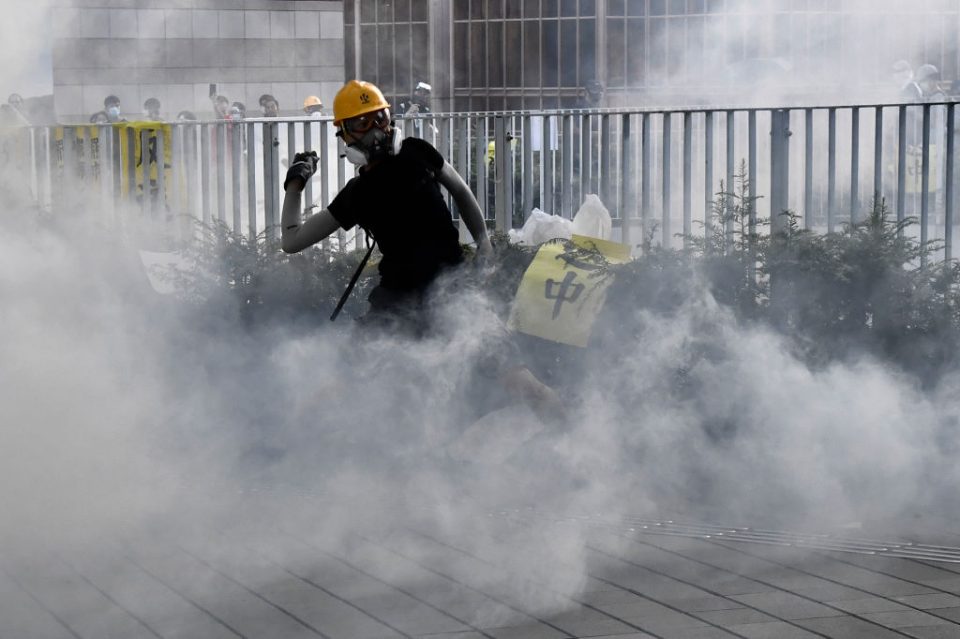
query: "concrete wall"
173, 50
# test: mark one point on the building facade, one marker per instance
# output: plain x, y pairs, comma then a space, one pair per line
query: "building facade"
513, 54
173, 50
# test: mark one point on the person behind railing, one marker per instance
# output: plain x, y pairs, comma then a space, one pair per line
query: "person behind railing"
270, 106
907, 90
111, 107
928, 79
418, 104
19, 115
313, 107
151, 109
396, 199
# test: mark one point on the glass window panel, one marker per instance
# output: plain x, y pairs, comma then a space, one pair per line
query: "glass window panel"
531, 8
461, 49
677, 7
495, 9
551, 102
385, 55
368, 11
615, 7
478, 9
588, 51
349, 61
568, 8
616, 52
478, 54
349, 6
588, 8
550, 53
715, 6
384, 11
401, 11
637, 7
676, 51
513, 8
461, 9
568, 53
635, 54
658, 7
368, 55
696, 6
531, 53
495, 54
514, 49
419, 8
405, 81
549, 8
695, 41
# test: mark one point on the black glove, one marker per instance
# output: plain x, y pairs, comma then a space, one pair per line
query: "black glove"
303, 167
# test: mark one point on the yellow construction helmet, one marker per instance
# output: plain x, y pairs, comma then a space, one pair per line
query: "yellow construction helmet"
355, 98
312, 100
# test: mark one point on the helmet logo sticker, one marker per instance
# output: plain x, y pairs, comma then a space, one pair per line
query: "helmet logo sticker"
364, 98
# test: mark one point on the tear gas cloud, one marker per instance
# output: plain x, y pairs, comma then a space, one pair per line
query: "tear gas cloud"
127, 414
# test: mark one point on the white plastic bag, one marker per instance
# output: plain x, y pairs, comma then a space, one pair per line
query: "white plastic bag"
593, 219
541, 227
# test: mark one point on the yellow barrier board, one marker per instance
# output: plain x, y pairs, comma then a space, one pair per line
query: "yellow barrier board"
563, 289
86, 151
143, 157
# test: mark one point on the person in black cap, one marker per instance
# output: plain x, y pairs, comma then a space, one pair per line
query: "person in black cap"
111, 106
151, 108
270, 106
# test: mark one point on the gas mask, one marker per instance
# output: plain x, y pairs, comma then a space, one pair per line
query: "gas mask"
374, 144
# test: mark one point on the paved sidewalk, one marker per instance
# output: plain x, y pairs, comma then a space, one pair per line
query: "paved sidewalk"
416, 583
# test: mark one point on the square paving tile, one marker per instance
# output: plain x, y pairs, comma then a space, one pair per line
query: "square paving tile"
904, 618
928, 602
734, 617
787, 605
771, 630
847, 628
868, 604
933, 632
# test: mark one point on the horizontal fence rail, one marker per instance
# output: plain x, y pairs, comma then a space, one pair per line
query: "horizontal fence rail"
664, 175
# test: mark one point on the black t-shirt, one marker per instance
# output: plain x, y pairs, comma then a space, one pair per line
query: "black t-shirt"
399, 202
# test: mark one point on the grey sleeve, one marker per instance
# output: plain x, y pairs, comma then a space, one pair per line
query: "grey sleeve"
298, 234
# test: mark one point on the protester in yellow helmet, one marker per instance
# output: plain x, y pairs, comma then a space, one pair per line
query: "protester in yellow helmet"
395, 198
312, 106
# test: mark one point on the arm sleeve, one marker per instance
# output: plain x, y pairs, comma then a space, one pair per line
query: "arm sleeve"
467, 204
343, 207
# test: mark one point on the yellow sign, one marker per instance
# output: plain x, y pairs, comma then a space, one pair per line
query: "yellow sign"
141, 158
913, 181
85, 150
564, 289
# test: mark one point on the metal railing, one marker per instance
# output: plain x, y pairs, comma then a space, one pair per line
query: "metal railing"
659, 172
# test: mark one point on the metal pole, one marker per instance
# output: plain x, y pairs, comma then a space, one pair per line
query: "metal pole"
626, 181
646, 195
235, 151
831, 167
500, 173
779, 167
808, 169
925, 181
731, 187
205, 173
307, 147
480, 152
221, 172
752, 168
606, 166
161, 164
687, 173
546, 165
527, 166
588, 175
666, 181
708, 174
901, 163
854, 164
566, 157
878, 156
146, 201
251, 181
949, 184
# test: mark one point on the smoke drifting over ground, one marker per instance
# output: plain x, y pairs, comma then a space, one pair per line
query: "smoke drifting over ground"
127, 414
